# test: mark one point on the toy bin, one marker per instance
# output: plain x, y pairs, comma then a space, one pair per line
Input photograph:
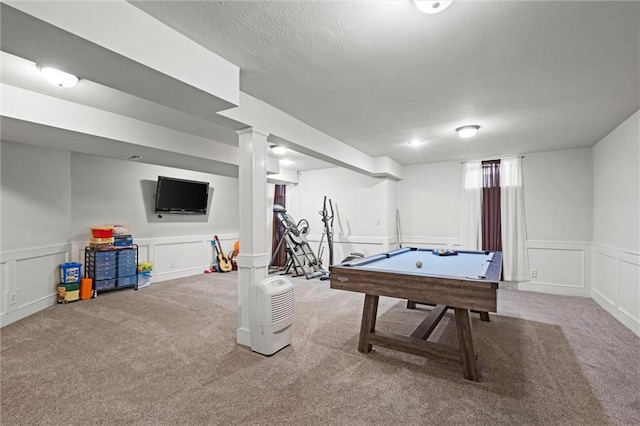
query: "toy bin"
70, 272
144, 279
68, 292
123, 241
102, 231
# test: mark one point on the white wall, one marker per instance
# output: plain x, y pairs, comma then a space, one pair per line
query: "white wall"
51, 198
430, 204
109, 192
616, 222
35, 195
35, 224
558, 205
362, 206
558, 195
112, 191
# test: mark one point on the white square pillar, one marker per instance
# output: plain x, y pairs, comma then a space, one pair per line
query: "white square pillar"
254, 257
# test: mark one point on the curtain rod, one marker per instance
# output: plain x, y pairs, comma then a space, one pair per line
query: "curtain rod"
499, 158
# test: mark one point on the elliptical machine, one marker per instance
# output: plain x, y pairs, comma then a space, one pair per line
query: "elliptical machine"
327, 219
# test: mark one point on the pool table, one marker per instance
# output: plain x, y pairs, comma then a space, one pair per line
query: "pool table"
465, 281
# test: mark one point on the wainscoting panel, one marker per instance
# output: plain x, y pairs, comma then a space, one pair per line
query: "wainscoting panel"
179, 256
630, 289
29, 280
605, 277
616, 284
560, 267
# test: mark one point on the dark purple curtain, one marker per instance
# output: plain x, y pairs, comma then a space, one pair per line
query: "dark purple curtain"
491, 228
279, 197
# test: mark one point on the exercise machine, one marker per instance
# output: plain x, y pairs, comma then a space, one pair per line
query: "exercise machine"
300, 256
327, 219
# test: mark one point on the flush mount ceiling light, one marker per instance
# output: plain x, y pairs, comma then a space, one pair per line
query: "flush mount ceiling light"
58, 78
415, 142
468, 131
432, 6
279, 150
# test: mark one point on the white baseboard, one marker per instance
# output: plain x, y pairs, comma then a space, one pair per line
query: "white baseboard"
553, 289
629, 322
183, 273
616, 287
27, 310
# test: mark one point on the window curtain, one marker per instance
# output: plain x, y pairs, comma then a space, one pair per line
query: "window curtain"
472, 206
491, 217
515, 262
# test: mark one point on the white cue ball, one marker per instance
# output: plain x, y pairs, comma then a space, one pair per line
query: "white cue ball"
419, 264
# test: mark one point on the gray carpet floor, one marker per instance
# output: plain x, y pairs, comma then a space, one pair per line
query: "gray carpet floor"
167, 355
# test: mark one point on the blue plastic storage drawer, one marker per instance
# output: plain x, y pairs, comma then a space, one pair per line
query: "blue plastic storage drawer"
127, 271
127, 263
127, 254
102, 285
102, 265
127, 281
105, 256
104, 274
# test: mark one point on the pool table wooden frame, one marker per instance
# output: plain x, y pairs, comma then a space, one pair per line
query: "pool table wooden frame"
458, 293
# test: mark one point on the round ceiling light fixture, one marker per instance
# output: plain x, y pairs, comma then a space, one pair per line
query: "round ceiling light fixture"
59, 78
468, 131
432, 6
279, 150
415, 142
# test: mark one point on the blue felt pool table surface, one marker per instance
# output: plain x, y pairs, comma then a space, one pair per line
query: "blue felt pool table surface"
476, 265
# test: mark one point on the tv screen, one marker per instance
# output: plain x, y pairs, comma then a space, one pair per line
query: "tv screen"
181, 196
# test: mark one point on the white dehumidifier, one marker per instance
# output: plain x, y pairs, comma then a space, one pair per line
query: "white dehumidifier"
274, 315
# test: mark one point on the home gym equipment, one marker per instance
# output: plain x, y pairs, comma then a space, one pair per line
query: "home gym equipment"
327, 219
300, 256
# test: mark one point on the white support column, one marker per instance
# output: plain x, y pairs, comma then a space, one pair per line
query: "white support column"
253, 260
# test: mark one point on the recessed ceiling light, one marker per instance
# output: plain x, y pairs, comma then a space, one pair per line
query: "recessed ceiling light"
279, 150
415, 142
467, 131
58, 78
432, 6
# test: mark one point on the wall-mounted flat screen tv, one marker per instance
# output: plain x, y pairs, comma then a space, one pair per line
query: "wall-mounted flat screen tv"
175, 195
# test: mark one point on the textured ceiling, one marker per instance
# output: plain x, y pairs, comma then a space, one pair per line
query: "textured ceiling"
535, 75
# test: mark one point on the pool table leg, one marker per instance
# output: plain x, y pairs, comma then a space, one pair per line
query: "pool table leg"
465, 339
368, 325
